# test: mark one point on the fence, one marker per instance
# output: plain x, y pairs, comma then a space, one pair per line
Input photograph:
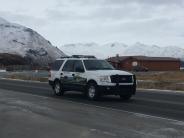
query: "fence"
24, 68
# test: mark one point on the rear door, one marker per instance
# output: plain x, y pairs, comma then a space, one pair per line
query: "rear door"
67, 75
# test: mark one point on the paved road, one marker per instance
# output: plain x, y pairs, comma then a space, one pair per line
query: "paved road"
160, 104
25, 115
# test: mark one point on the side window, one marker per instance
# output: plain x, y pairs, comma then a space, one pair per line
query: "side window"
69, 66
56, 65
78, 66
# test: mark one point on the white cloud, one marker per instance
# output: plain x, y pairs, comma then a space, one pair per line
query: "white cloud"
68, 21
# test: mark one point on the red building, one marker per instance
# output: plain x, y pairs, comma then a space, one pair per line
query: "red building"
144, 63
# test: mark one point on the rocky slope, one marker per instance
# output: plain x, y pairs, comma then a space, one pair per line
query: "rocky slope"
27, 43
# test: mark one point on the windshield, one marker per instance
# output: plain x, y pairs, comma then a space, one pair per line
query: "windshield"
97, 65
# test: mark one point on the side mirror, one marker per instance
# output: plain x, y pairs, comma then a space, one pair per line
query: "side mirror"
81, 70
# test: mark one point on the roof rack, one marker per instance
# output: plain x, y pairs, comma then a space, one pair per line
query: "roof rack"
66, 57
83, 56
79, 56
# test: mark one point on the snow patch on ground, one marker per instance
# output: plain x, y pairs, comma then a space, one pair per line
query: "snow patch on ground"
2, 71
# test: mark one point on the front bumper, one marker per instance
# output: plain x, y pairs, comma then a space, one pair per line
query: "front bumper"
117, 90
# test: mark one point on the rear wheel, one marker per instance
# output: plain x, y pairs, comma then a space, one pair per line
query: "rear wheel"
58, 89
125, 97
92, 92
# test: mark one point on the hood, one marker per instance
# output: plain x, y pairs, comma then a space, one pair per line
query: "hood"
109, 72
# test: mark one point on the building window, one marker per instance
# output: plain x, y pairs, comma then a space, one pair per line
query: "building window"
134, 63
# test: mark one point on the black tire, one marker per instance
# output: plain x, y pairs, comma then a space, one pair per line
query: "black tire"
125, 97
58, 89
92, 92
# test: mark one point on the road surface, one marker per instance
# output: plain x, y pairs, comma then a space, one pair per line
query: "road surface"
162, 104
29, 109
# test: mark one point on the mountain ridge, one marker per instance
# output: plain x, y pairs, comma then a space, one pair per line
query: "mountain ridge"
122, 49
25, 42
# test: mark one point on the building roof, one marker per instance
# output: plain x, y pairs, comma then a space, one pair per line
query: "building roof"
146, 58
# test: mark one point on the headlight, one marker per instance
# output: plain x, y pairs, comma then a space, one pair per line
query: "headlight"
105, 79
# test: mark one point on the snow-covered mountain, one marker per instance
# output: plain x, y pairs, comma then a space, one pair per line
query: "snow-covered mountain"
112, 49
23, 41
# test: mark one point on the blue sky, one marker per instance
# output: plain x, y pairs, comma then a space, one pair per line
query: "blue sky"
158, 22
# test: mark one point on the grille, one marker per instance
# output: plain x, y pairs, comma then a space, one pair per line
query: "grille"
121, 79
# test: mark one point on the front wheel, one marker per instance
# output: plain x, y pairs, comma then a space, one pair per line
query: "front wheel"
58, 89
92, 92
125, 97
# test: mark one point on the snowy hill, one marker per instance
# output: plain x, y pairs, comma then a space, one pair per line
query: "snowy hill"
112, 49
23, 41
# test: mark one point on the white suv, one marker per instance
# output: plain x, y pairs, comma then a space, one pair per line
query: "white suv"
94, 77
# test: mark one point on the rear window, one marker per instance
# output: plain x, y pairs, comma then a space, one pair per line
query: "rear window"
57, 65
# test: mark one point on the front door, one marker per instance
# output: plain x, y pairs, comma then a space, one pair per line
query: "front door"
79, 75
67, 75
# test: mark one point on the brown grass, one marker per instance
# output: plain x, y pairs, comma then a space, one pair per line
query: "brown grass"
161, 85
177, 76
161, 80
23, 77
